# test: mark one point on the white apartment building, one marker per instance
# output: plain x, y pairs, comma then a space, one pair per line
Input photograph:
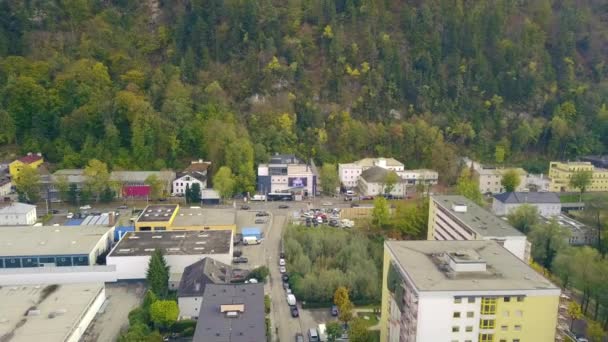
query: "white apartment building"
372, 182
5, 187
458, 218
547, 203
463, 291
18, 214
489, 179
419, 176
349, 173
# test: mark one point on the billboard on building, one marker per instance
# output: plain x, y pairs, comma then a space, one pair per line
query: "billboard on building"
136, 191
297, 182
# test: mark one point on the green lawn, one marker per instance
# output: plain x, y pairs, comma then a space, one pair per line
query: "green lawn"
372, 318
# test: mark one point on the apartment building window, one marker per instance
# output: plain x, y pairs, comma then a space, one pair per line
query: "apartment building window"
515, 340
455, 329
505, 313
507, 299
488, 306
517, 327
486, 337
487, 324
503, 340
520, 298
469, 328
457, 300
504, 327
470, 314
519, 313
456, 314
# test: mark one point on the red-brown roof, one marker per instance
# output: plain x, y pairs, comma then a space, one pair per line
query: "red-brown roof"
197, 167
30, 159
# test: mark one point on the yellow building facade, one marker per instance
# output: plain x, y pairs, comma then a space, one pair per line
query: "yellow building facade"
561, 173
172, 217
463, 291
32, 160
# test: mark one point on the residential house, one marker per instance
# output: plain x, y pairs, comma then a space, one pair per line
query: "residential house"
195, 173
5, 187
372, 182
547, 203
349, 173
419, 176
489, 179
17, 214
31, 159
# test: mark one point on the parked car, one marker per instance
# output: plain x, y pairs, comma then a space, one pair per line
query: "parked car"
123, 207
237, 253
285, 286
240, 260
282, 269
299, 337
238, 238
295, 312
54, 211
354, 205
262, 213
245, 207
69, 215
283, 206
85, 207
334, 310
282, 255
285, 277
281, 262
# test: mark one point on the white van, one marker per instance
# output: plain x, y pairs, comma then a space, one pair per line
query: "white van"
291, 300
250, 240
322, 330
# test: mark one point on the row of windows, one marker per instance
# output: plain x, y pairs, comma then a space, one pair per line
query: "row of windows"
38, 261
488, 338
457, 314
458, 300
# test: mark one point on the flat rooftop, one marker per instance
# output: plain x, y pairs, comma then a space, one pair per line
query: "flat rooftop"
59, 310
49, 240
204, 217
157, 213
214, 324
475, 217
422, 262
174, 243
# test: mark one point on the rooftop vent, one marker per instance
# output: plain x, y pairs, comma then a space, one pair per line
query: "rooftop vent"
466, 261
232, 308
232, 314
459, 208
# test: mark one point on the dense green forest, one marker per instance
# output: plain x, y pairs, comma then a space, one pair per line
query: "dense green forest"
153, 83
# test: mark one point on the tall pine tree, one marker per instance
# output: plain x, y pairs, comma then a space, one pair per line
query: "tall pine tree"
158, 274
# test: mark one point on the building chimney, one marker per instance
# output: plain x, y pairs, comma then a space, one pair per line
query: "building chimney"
111, 219
197, 287
381, 162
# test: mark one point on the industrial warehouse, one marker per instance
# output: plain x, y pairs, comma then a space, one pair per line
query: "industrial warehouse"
163, 217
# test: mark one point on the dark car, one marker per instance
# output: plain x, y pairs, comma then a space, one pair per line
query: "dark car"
299, 337
283, 206
245, 207
354, 205
55, 211
240, 260
285, 285
262, 213
294, 311
282, 255
237, 253
334, 310
285, 277
238, 238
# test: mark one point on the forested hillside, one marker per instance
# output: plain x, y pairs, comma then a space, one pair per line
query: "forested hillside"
154, 83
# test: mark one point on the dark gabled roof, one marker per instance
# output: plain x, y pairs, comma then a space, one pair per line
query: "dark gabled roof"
527, 197
201, 176
377, 174
247, 325
201, 273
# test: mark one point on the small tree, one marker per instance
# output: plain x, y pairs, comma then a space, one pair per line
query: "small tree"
380, 213
574, 311
390, 181
224, 182
357, 331
260, 273
341, 296
188, 193
334, 330
158, 274
581, 180
510, 180
28, 184
329, 178
107, 195
467, 187
97, 177
62, 185
156, 186
163, 313
547, 239
72, 196
195, 193
595, 331
524, 218
345, 313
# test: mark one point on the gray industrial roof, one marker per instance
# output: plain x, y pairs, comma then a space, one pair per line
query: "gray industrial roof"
140, 176
377, 174
55, 316
504, 271
174, 243
247, 326
201, 273
50, 240
480, 220
527, 197
204, 217
157, 213
16, 208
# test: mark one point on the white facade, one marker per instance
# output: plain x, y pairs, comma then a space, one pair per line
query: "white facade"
18, 214
135, 266
423, 176
281, 183
349, 174
5, 188
544, 209
181, 183
436, 318
376, 188
87, 317
189, 306
489, 180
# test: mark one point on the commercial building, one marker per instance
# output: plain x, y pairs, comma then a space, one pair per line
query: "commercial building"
181, 249
161, 217
580, 234
287, 173
196, 277
5, 186
49, 313
373, 181
32, 160
195, 173
349, 173
17, 214
133, 183
463, 291
561, 173
231, 313
547, 203
53, 246
489, 179
458, 218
